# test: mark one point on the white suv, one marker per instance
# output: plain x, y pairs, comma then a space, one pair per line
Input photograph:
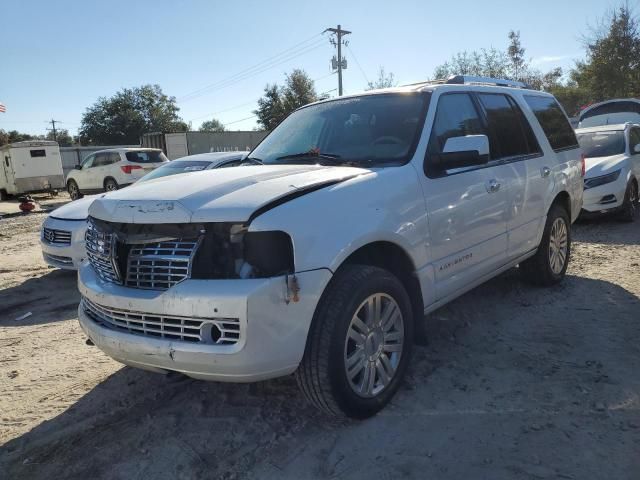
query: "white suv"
109, 170
361, 215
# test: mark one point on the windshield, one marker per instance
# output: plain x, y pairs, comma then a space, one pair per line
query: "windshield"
602, 144
377, 129
175, 167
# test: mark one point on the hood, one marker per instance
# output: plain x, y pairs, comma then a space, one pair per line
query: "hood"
76, 210
224, 195
597, 166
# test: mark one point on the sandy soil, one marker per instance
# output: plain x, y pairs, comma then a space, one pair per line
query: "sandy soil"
517, 382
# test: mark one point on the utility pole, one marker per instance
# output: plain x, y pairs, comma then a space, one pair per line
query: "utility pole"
53, 125
340, 62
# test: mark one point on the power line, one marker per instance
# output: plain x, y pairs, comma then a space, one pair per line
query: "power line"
366, 79
241, 120
53, 128
292, 52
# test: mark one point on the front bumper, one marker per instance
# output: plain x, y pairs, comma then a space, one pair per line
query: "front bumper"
68, 257
605, 198
273, 333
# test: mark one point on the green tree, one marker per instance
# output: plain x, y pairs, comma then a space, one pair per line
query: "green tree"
484, 63
213, 125
123, 118
62, 137
515, 51
384, 80
278, 102
612, 65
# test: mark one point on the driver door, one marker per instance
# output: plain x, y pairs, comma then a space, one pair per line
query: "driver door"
83, 175
466, 206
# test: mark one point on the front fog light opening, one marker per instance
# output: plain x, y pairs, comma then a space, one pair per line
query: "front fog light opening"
210, 333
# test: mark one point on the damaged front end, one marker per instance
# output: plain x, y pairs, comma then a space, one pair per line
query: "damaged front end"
159, 256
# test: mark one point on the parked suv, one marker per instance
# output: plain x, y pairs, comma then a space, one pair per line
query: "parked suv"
362, 214
109, 170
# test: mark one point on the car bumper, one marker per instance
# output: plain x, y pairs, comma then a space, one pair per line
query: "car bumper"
68, 256
272, 332
605, 198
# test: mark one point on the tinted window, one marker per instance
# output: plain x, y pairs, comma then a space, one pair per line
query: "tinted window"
114, 157
101, 160
602, 144
376, 129
456, 116
146, 157
634, 139
553, 121
38, 153
510, 133
612, 107
88, 162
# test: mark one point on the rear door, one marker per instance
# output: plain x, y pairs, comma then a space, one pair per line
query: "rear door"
517, 155
466, 206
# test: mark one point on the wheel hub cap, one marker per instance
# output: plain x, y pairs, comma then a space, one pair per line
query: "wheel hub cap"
374, 345
558, 245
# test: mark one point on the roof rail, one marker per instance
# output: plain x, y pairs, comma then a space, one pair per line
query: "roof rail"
498, 82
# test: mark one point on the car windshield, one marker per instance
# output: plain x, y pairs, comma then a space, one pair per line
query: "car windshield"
378, 129
602, 144
143, 156
175, 167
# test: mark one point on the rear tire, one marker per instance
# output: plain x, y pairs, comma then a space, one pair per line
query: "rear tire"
3, 195
110, 185
549, 265
359, 343
74, 191
630, 205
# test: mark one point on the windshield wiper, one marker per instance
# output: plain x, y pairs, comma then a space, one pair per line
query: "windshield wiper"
251, 161
309, 155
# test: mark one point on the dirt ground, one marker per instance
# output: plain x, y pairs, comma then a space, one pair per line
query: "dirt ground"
517, 382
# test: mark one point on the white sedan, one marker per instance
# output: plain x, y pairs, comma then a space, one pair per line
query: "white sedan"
612, 159
63, 231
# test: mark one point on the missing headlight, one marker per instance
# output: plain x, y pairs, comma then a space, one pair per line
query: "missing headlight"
269, 253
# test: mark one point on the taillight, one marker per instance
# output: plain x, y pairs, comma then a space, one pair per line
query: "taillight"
584, 164
127, 168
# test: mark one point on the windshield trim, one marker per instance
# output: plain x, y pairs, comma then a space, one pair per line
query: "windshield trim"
427, 94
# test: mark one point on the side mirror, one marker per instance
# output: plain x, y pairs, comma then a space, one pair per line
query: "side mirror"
78, 167
460, 152
636, 149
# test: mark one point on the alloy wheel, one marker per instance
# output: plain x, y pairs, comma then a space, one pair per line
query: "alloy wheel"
558, 245
374, 345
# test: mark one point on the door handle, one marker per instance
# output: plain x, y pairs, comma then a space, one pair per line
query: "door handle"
493, 186
545, 172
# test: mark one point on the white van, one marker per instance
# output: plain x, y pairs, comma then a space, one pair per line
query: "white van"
30, 167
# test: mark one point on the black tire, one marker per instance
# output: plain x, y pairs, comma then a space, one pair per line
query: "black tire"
630, 205
74, 190
322, 374
3, 195
538, 269
110, 185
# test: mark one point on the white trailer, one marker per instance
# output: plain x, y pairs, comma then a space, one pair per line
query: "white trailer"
30, 167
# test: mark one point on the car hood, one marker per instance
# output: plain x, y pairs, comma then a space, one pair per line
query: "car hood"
597, 166
225, 195
76, 210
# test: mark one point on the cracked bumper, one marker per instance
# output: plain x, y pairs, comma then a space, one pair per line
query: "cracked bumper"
273, 333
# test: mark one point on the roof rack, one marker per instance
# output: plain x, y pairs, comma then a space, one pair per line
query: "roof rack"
498, 82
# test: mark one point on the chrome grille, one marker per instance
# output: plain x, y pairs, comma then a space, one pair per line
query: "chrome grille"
159, 266
218, 331
100, 246
56, 237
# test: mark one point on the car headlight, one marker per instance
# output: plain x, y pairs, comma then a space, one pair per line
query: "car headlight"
601, 180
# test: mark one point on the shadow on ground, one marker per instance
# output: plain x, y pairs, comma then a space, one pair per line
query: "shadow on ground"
517, 382
51, 297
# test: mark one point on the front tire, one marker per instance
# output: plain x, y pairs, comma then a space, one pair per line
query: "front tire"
630, 205
74, 191
359, 343
549, 265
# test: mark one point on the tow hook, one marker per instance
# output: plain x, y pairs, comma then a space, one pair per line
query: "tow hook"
293, 289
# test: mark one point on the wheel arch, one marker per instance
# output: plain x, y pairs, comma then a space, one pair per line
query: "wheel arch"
564, 200
109, 177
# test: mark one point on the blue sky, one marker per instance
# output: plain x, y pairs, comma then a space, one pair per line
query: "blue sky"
58, 57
